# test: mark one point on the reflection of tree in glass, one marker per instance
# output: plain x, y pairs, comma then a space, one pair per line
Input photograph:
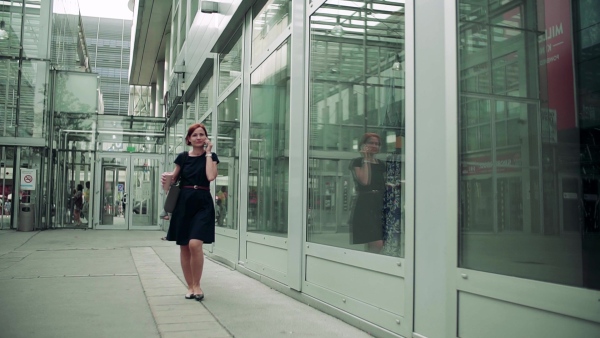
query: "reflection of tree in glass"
66, 101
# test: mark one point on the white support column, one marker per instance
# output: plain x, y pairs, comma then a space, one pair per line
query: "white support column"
298, 147
160, 89
436, 212
153, 100
245, 135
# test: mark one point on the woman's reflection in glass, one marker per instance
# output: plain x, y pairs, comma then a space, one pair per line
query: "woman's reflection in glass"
366, 224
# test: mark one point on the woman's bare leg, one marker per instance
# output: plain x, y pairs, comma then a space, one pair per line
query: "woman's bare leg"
77, 216
196, 263
184, 255
375, 246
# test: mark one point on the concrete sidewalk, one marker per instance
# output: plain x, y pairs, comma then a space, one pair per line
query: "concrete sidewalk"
101, 283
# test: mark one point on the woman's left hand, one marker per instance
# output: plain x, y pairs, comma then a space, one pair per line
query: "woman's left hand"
209, 146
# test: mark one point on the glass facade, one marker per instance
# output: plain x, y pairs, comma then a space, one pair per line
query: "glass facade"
108, 44
229, 143
205, 98
528, 178
269, 22
23, 81
230, 62
269, 144
356, 127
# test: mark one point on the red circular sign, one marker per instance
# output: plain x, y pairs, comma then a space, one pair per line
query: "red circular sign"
28, 178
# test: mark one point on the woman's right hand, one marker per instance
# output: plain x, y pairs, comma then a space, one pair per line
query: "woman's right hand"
166, 179
365, 152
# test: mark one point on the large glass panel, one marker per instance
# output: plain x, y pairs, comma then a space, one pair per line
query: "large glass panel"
180, 133
73, 157
193, 10
190, 109
230, 61
356, 137
268, 24
122, 133
228, 119
529, 125
65, 35
226, 187
140, 100
35, 35
7, 158
174, 36
207, 122
32, 103
269, 144
11, 18
182, 23
205, 97
142, 198
8, 96
113, 194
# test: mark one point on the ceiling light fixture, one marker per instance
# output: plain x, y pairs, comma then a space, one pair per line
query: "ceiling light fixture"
337, 30
397, 63
209, 7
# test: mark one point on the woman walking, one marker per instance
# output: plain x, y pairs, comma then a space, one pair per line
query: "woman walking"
193, 220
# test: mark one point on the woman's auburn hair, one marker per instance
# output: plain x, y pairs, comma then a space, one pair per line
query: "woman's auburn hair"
191, 131
367, 136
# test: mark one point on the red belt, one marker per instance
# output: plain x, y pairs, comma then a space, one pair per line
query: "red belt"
195, 187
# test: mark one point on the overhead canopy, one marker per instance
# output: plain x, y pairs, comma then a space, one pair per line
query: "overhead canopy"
151, 24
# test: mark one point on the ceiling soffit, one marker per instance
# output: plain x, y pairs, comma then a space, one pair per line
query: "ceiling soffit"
150, 27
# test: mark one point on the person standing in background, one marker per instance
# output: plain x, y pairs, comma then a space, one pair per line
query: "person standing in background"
86, 202
77, 205
222, 204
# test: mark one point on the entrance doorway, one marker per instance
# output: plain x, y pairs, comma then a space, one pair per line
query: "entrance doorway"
128, 190
571, 203
7, 157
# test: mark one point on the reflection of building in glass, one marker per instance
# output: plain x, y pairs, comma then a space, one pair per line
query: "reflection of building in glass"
527, 163
108, 43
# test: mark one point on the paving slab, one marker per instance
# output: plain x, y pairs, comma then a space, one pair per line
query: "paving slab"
68, 307
11, 240
250, 309
102, 283
195, 318
65, 239
73, 262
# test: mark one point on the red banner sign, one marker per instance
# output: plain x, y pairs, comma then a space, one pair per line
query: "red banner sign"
559, 62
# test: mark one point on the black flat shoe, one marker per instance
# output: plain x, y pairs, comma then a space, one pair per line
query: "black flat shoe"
190, 296
199, 296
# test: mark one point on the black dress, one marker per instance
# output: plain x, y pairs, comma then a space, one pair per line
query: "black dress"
366, 221
194, 214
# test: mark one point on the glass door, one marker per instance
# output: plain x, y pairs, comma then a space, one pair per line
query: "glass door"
144, 203
7, 155
113, 193
128, 189
226, 197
